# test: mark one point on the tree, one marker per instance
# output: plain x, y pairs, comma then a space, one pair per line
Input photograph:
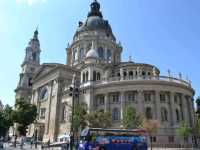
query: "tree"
24, 114
151, 126
80, 114
198, 106
99, 119
195, 131
131, 119
183, 131
5, 120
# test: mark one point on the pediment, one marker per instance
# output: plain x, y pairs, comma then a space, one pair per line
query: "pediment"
44, 70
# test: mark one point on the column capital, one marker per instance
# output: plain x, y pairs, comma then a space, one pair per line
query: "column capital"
140, 91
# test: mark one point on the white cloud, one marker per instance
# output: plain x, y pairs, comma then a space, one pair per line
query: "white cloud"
30, 2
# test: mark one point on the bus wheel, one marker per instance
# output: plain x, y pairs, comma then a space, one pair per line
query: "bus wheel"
102, 148
134, 147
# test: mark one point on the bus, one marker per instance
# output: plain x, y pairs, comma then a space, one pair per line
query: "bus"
113, 139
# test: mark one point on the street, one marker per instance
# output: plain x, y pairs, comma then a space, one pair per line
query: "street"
7, 146
27, 147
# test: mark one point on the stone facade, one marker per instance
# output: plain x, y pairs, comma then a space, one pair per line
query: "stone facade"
106, 83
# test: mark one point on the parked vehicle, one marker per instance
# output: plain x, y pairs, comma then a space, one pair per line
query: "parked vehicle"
113, 139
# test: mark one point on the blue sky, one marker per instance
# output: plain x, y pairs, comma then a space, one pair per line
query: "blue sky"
165, 33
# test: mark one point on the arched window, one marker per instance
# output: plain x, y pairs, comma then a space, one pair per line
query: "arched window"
143, 73
64, 114
30, 82
44, 94
177, 115
130, 73
109, 54
101, 52
94, 76
115, 114
125, 74
82, 54
98, 76
34, 56
83, 77
74, 55
118, 74
86, 76
164, 114
149, 113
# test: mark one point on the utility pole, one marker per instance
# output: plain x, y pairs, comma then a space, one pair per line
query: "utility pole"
74, 93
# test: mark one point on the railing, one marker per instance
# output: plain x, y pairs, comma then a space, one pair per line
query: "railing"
142, 78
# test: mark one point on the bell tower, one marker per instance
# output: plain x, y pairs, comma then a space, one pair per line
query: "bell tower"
29, 66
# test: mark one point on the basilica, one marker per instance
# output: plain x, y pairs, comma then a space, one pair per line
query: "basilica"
106, 84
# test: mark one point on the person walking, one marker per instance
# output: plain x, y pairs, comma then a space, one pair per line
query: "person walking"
21, 142
31, 142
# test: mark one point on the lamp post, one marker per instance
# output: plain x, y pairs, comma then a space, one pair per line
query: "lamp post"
74, 92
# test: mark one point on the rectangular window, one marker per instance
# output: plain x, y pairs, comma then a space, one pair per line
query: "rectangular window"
101, 100
115, 97
162, 97
153, 139
171, 139
176, 99
42, 113
131, 96
147, 97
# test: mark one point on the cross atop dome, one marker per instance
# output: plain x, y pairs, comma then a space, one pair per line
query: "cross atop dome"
95, 9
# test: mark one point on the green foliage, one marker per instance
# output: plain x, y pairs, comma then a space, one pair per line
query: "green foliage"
183, 131
196, 128
198, 100
5, 120
99, 119
24, 114
80, 113
131, 119
198, 109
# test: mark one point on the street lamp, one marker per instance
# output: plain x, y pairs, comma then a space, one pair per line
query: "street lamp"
74, 93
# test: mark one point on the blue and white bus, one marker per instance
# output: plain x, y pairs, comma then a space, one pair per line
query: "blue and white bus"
113, 139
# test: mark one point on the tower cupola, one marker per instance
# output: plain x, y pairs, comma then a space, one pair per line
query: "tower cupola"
95, 9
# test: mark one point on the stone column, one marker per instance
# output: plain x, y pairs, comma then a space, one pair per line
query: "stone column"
106, 102
172, 109
50, 85
106, 53
140, 100
192, 111
121, 74
184, 109
78, 53
158, 109
122, 103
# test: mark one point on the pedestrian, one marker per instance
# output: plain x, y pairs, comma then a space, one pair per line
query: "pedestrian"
15, 140
35, 142
21, 142
31, 142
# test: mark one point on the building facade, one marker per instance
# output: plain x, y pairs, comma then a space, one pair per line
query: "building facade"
106, 84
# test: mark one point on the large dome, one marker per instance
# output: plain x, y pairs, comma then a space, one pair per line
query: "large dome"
95, 21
